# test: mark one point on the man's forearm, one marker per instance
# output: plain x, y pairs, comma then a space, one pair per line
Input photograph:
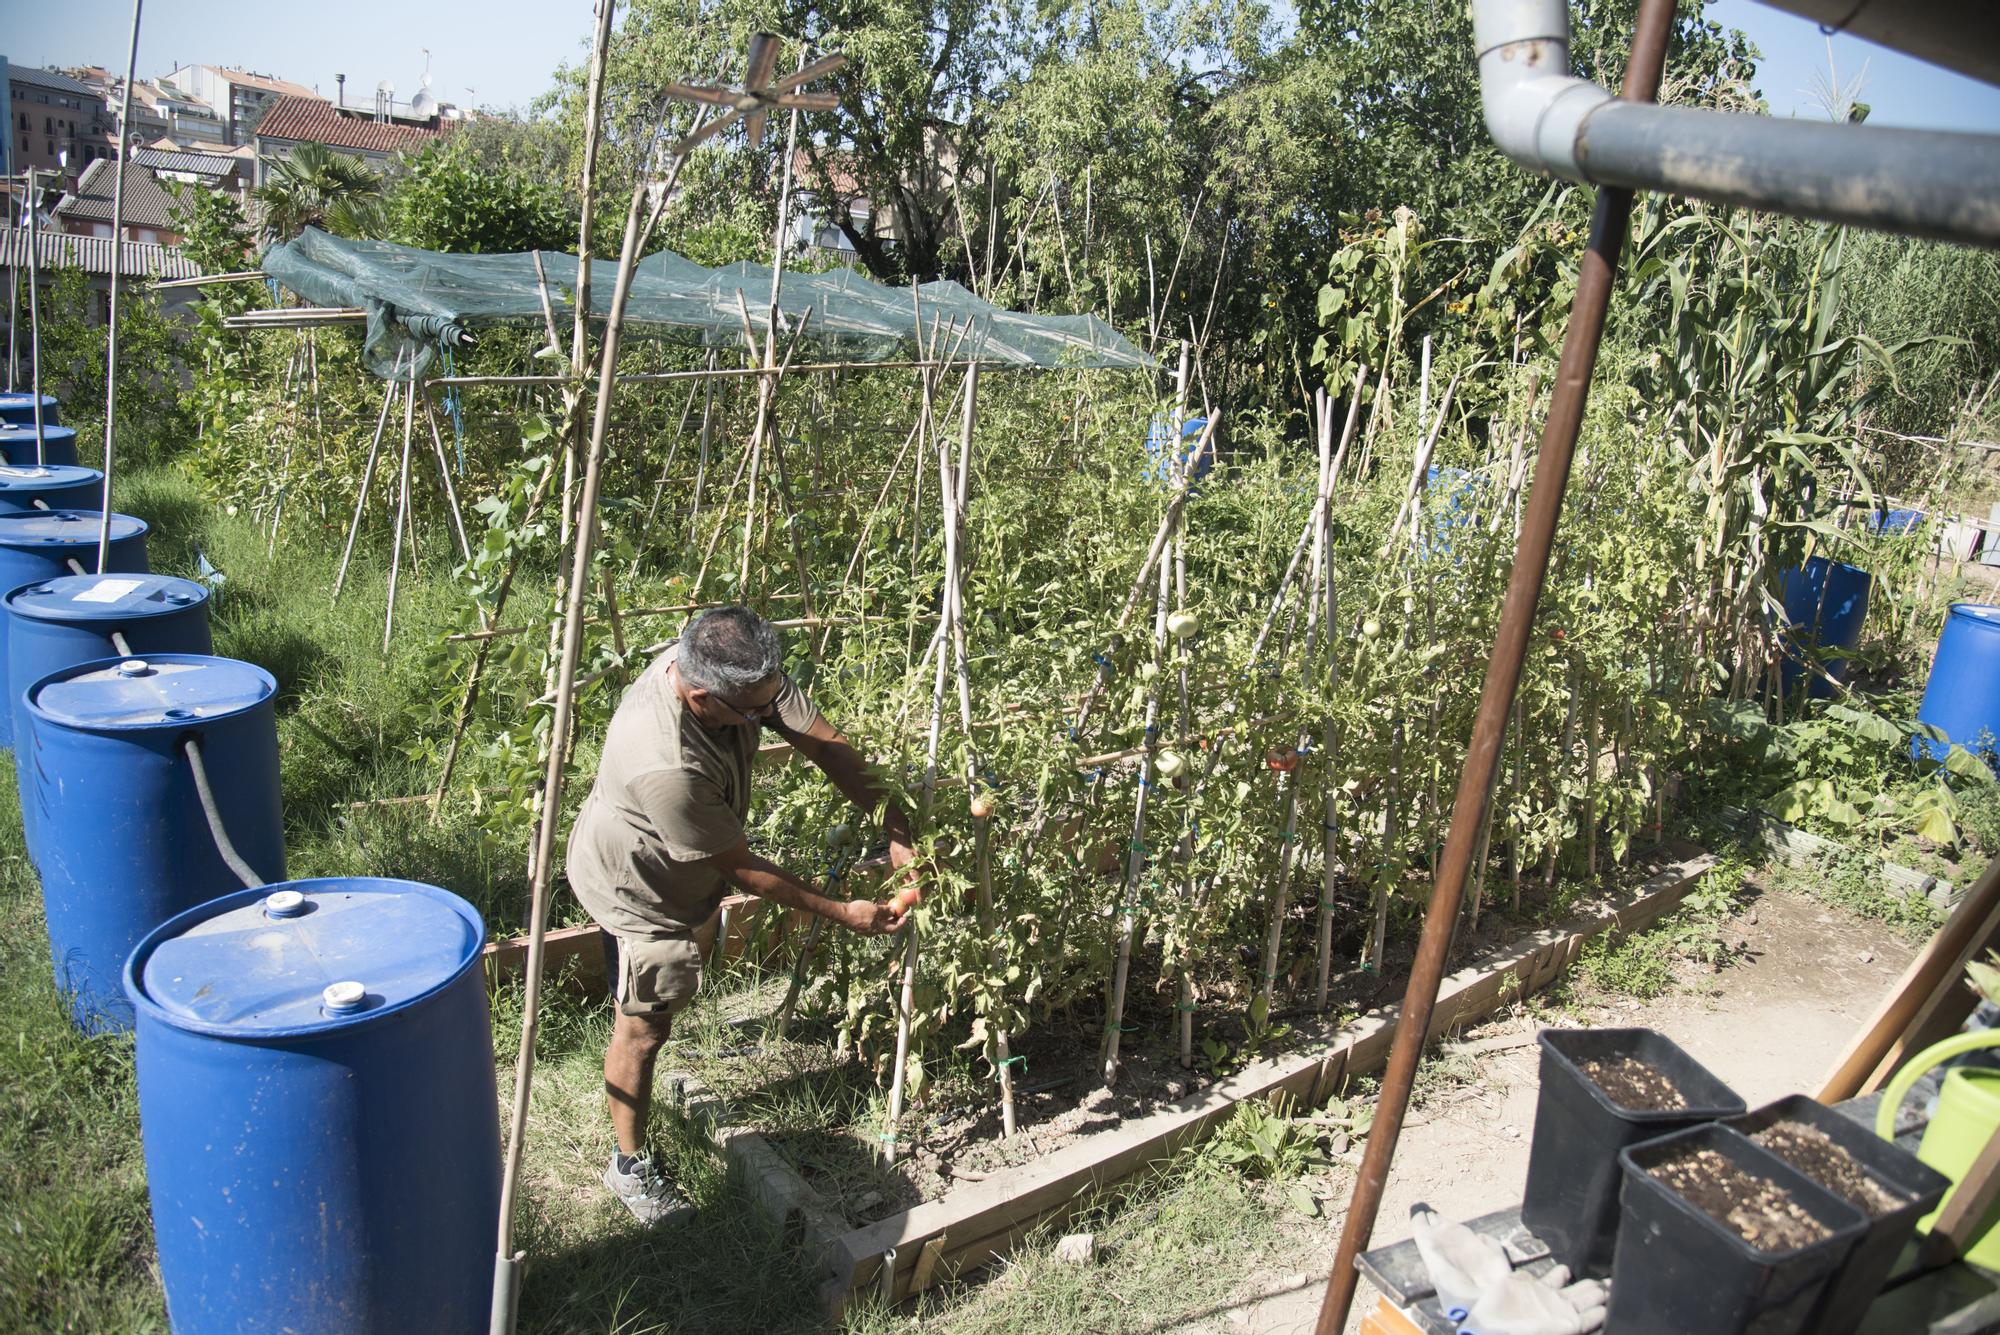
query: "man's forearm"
840, 762
767, 880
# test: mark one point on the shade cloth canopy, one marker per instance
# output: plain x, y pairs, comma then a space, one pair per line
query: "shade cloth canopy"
416, 299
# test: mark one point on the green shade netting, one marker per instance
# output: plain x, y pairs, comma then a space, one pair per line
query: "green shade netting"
417, 298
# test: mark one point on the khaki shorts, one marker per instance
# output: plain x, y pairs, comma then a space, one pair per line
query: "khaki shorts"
658, 974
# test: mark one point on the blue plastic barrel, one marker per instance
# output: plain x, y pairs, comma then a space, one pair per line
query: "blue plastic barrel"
121, 841
1962, 696
18, 407
1825, 603
1895, 521
39, 545
59, 622
316, 1094
18, 444
1162, 458
56, 486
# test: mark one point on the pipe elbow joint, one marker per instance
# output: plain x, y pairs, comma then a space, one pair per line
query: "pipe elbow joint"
1534, 106
1535, 113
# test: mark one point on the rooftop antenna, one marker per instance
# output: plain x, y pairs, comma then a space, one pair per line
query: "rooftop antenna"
759, 93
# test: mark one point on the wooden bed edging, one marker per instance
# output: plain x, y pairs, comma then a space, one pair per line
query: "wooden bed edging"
980, 1221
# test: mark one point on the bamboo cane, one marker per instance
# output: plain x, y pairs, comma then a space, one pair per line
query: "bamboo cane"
367, 476
508, 1262
402, 510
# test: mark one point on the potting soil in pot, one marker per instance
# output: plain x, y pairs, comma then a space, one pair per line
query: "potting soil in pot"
1813, 1153
1631, 1083
1760, 1211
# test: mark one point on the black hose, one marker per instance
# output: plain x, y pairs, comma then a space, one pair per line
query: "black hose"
251, 880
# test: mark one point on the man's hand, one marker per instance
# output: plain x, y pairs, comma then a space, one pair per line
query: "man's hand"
901, 854
869, 918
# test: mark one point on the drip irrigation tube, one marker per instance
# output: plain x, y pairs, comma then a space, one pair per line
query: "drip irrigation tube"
244, 873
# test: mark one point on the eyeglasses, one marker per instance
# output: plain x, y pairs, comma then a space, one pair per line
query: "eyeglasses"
752, 713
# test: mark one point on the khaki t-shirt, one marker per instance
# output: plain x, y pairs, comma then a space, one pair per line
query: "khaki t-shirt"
669, 793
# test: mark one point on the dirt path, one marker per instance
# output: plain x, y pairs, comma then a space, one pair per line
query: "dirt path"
1769, 1025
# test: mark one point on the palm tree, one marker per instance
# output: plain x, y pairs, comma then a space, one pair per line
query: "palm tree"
315, 187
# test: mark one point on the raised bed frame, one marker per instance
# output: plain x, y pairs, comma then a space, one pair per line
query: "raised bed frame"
977, 1222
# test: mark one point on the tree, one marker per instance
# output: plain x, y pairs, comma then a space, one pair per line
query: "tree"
446, 198
317, 187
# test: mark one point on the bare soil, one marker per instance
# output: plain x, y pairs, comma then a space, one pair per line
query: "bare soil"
1633, 1085
1803, 975
1812, 1152
1756, 1209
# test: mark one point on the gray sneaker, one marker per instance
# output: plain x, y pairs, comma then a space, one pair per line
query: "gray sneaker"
647, 1192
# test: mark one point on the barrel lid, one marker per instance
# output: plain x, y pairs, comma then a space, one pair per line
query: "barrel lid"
13, 397
304, 955
1985, 613
150, 692
109, 597
46, 477
26, 430
64, 528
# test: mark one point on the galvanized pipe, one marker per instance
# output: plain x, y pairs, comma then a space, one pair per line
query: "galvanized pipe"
1920, 182
1503, 679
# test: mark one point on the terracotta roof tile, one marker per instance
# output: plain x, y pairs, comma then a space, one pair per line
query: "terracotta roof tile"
306, 119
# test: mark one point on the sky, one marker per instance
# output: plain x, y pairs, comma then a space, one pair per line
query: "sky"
501, 53
1898, 90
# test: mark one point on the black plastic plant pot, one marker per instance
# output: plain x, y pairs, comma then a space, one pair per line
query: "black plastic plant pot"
1678, 1269
1915, 1185
1571, 1202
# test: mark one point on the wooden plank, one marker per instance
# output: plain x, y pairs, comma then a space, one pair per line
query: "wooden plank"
983, 1220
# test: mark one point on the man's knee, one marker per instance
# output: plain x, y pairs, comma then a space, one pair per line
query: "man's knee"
643, 1035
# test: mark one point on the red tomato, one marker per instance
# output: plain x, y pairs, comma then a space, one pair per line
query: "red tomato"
1282, 759
982, 807
905, 899
1557, 635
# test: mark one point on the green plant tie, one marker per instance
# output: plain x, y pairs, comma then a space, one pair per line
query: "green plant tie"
1000, 1067
1115, 1028
887, 1137
1328, 905
1187, 1007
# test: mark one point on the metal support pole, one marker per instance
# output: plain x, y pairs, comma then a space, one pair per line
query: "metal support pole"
1503, 678
117, 267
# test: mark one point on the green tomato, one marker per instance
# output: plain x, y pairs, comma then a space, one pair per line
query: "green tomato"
1371, 629
838, 836
1170, 764
1148, 671
1183, 625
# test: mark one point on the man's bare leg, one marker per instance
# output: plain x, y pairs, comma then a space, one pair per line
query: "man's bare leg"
636, 1041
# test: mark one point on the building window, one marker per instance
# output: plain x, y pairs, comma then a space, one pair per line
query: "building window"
48, 125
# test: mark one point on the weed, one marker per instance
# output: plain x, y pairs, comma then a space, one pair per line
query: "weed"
1261, 1140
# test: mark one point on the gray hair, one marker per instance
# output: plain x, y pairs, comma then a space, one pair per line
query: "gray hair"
731, 651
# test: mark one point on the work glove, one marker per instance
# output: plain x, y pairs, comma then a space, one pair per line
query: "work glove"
1478, 1286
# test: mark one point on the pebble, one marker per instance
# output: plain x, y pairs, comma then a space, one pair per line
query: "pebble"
1077, 1249
1511, 1132
869, 1201
1752, 919
1175, 1089
1867, 957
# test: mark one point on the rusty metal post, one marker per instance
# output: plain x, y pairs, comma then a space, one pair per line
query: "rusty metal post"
1503, 678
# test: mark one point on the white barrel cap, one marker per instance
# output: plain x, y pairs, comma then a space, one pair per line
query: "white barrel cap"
342, 997
285, 904
134, 667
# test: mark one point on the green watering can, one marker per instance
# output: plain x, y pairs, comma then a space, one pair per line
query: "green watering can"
1968, 1113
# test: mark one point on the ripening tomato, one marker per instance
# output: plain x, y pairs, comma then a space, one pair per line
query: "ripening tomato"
982, 807
1283, 759
906, 899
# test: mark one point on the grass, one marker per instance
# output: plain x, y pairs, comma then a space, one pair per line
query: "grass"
1650, 963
